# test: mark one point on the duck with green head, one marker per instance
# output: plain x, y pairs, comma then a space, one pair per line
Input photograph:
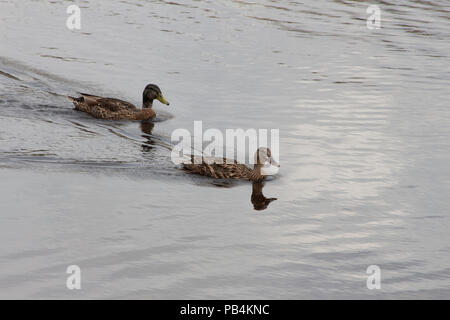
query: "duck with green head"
116, 109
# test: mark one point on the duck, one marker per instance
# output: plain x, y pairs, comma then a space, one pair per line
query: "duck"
116, 109
222, 168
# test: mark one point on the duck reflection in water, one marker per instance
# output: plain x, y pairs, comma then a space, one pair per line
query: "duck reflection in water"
147, 128
260, 202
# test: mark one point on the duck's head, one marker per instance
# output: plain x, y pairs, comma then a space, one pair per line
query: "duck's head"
152, 92
264, 155
265, 163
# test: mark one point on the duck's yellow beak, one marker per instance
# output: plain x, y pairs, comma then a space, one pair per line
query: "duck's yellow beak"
162, 100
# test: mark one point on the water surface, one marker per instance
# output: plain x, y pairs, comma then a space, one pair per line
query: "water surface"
364, 150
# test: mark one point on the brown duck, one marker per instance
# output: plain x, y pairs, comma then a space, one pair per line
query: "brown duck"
115, 109
219, 168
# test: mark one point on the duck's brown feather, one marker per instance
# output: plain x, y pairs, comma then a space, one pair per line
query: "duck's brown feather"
110, 108
218, 168
112, 104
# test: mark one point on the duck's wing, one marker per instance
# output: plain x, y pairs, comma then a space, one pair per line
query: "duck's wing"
111, 104
217, 169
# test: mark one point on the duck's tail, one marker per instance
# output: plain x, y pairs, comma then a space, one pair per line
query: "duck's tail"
75, 100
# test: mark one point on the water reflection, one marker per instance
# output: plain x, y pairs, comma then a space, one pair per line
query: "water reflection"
260, 202
257, 198
147, 128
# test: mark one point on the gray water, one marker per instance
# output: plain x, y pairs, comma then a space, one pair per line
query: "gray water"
364, 128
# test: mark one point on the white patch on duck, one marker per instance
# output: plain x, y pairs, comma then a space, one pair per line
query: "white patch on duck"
269, 169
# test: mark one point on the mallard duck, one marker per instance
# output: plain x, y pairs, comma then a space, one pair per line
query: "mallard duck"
115, 109
221, 168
